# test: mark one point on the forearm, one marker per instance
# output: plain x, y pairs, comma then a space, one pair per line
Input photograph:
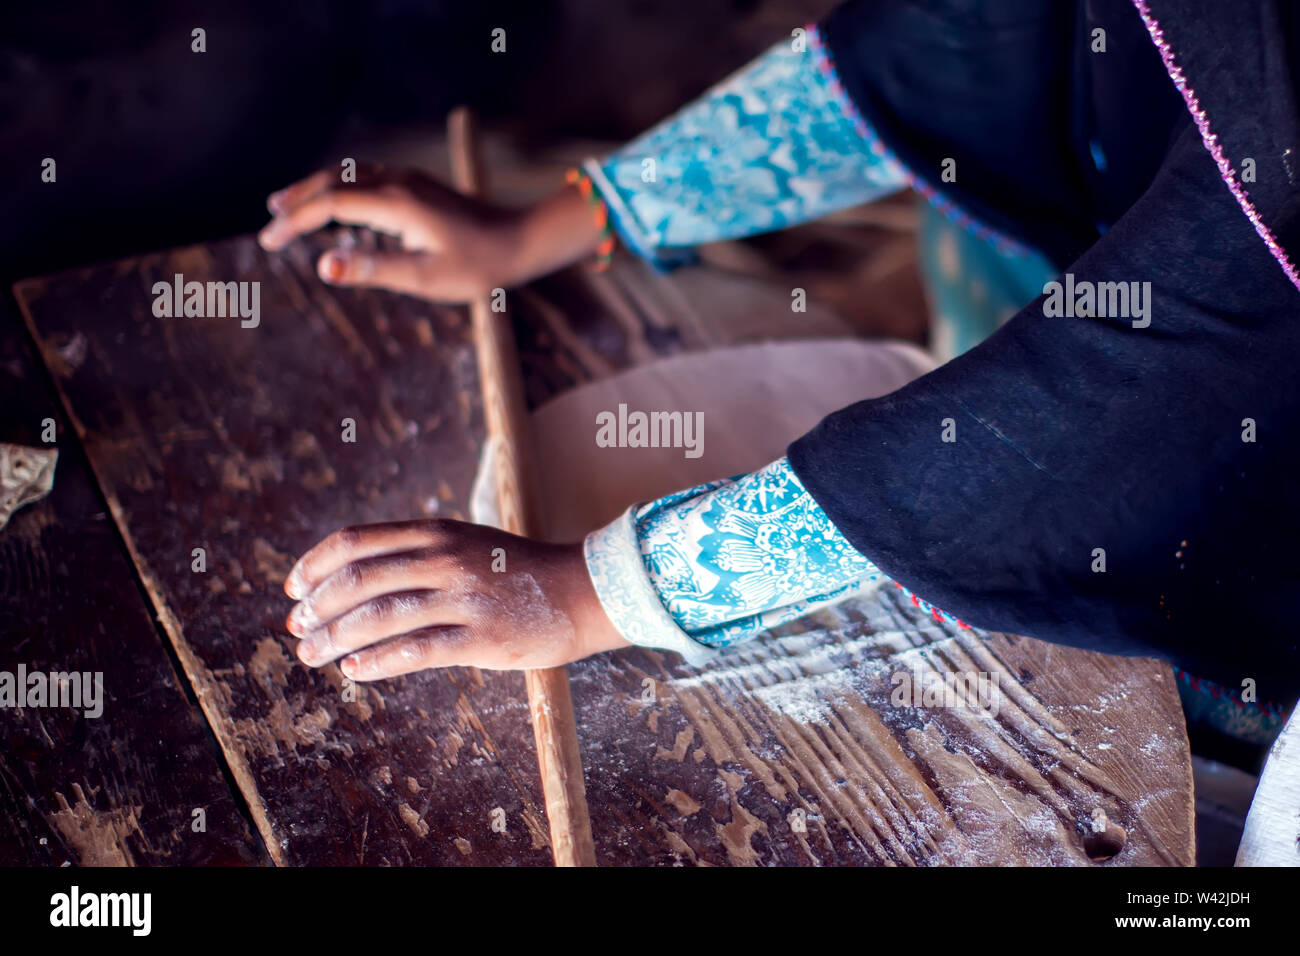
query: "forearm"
775, 144
560, 230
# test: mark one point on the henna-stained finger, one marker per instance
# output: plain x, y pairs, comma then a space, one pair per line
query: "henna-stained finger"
397, 271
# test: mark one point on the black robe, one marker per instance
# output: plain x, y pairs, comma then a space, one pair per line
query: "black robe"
1079, 434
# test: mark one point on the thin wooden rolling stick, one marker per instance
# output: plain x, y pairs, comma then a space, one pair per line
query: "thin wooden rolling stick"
505, 412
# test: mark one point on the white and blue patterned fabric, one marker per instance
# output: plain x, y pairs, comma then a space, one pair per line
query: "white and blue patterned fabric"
779, 143
771, 146
720, 563
776, 144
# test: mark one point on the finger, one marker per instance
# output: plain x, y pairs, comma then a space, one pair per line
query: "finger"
429, 647
368, 175
371, 622
386, 209
295, 193
408, 272
354, 543
360, 581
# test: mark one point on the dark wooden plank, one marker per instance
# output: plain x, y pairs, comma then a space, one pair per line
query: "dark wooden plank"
121, 788
208, 435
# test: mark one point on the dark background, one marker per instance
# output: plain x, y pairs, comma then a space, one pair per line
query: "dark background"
157, 145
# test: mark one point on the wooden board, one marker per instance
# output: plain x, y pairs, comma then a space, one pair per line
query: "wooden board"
120, 788
203, 433
793, 751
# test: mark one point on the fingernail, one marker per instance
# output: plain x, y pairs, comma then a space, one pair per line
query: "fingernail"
349, 666
302, 619
275, 201
270, 236
296, 587
307, 651
333, 265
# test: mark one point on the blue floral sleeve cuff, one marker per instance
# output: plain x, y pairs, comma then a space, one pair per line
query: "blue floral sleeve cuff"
718, 564
628, 595
773, 145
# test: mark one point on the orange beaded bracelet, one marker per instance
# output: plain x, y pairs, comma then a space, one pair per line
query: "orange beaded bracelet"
605, 250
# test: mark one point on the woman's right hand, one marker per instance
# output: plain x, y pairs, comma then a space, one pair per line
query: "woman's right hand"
453, 248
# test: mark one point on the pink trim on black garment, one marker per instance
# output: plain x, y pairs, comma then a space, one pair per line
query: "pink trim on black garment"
1211, 141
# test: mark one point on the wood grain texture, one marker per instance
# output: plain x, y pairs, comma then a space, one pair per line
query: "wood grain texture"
510, 442
121, 788
793, 752
206, 434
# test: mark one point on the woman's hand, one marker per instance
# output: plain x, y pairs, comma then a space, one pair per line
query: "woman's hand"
400, 597
453, 248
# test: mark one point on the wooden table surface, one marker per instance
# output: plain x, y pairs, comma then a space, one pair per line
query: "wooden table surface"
180, 434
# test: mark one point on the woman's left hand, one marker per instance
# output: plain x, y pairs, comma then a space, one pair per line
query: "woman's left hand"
400, 597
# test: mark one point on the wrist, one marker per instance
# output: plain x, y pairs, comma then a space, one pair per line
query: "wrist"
504, 257
556, 232
594, 631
